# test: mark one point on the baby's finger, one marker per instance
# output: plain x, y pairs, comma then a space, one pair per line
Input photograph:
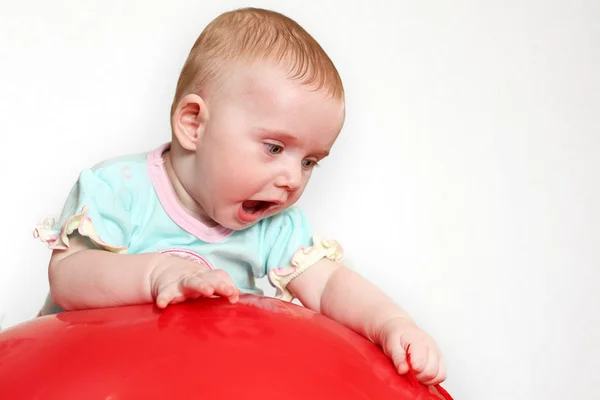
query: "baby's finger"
236, 296
396, 352
165, 298
418, 358
194, 287
225, 289
441, 375
431, 369
223, 284
162, 300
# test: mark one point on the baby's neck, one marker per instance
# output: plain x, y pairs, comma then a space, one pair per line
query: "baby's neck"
193, 208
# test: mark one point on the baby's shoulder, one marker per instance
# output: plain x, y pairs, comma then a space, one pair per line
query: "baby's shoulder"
125, 177
122, 166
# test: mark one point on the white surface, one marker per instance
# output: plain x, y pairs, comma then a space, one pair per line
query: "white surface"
465, 182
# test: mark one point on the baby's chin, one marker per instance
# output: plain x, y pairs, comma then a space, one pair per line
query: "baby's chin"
239, 226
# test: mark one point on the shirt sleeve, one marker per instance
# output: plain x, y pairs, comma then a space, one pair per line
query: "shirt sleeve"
281, 237
98, 208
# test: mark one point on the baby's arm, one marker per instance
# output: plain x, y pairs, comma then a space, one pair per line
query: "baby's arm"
343, 295
81, 277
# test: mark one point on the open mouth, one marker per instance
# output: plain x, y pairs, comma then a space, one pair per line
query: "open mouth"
251, 210
257, 206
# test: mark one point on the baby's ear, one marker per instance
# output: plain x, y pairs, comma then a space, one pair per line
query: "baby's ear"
189, 121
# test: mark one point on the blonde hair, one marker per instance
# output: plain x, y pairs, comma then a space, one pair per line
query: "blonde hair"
256, 34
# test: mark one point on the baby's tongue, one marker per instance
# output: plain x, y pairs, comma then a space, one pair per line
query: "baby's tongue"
252, 206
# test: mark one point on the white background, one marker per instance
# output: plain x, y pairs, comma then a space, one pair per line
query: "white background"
465, 183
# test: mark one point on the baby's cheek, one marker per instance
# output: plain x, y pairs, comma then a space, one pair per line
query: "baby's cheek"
237, 168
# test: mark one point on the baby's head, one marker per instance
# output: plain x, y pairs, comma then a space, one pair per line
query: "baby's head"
257, 105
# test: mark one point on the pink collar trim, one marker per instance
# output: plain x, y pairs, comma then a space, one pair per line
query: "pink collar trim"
166, 196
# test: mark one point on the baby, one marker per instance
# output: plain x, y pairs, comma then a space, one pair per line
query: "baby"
258, 104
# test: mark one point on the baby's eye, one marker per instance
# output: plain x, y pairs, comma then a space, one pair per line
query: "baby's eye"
308, 163
273, 148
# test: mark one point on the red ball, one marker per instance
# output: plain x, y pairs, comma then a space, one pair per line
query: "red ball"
259, 348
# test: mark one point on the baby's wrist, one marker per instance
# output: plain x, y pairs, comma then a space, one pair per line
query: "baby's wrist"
156, 267
395, 323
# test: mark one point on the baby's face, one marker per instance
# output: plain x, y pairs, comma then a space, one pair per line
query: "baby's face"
264, 136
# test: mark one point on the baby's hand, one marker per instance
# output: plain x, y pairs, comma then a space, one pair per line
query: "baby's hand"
425, 356
177, 280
